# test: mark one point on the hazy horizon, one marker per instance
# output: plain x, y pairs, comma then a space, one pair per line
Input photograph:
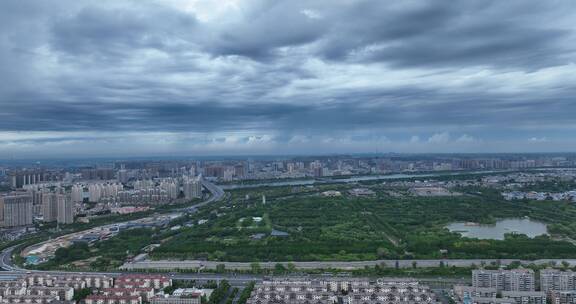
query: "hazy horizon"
271, 157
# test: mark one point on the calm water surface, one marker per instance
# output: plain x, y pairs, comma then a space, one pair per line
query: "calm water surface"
496, 232
353, 179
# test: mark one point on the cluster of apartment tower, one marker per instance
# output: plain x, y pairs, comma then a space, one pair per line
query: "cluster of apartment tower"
55, 204
518, 286
19, 208
143, 192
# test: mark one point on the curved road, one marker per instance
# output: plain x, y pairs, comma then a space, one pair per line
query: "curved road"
217, 194
6, 260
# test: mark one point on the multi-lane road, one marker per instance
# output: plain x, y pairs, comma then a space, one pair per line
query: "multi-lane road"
6, 260
237, 280
13, 272
216, 194
233, 279
352, 265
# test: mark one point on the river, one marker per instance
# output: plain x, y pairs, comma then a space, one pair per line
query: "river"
306, 182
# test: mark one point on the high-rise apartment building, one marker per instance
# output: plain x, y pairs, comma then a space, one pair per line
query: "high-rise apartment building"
192, 187
57, 207
77, 193
23, 178
36, 194
94, 192
17, 210
50, 206
123, 176
318, 172
65, 210
171, 189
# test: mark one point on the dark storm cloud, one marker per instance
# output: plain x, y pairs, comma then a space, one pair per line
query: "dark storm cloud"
379, 110
286, 68
112, 31
267, 27
407, 33
97, 116
464, 33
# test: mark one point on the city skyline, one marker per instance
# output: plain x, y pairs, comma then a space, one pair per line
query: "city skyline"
235, 77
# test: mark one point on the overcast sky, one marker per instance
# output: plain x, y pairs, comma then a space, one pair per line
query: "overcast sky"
201, 77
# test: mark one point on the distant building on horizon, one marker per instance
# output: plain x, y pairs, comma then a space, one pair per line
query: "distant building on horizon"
77, 193
23, 178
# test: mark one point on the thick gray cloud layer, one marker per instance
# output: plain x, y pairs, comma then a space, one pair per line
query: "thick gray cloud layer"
275, 76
